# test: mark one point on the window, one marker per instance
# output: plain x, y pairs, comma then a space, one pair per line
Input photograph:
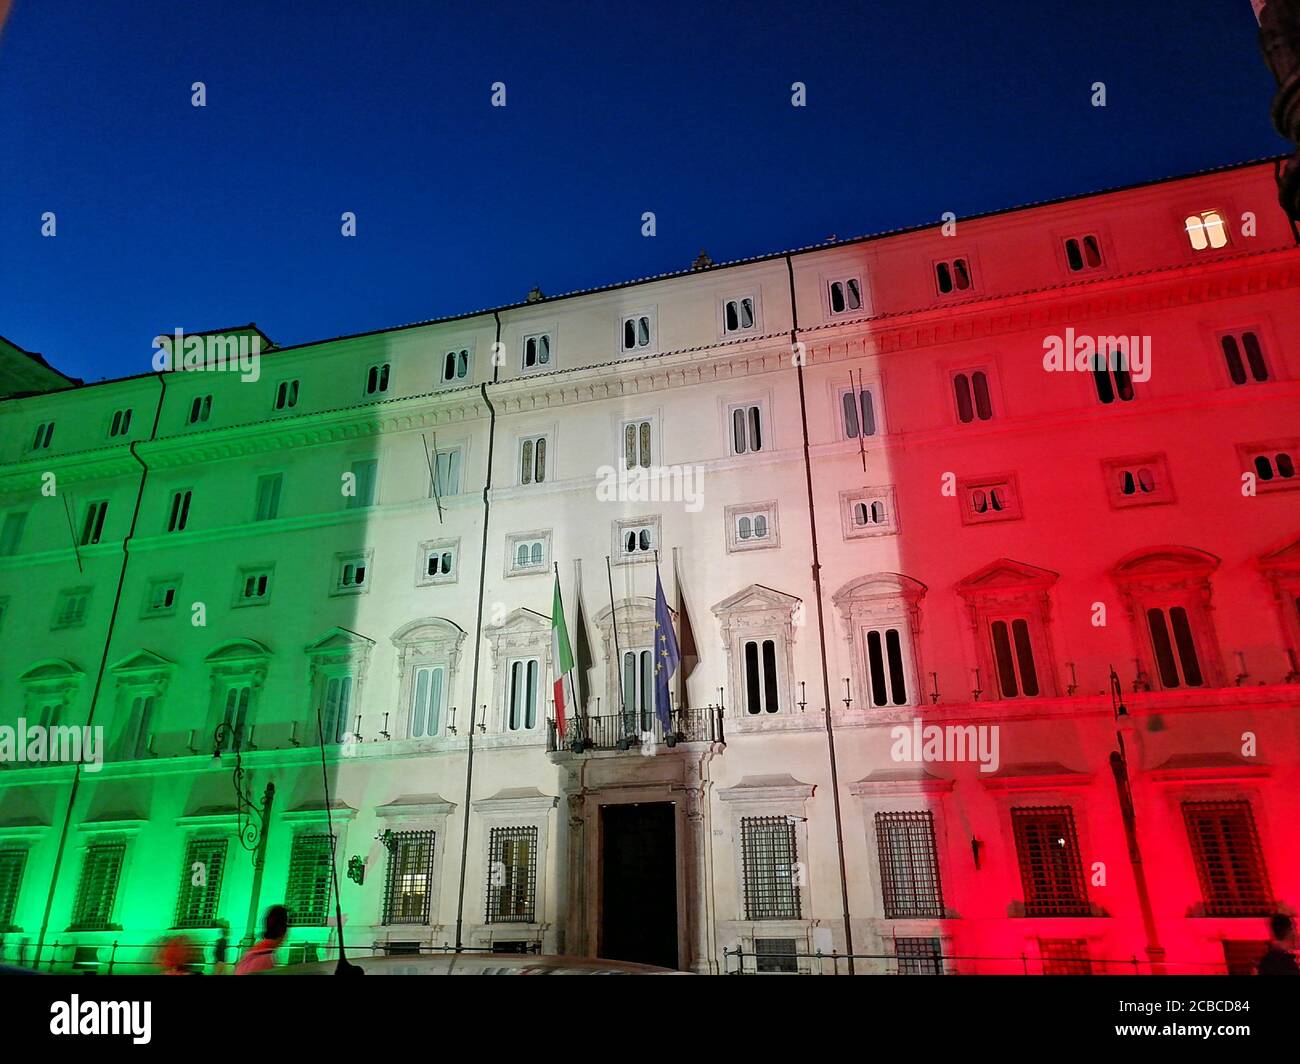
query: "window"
762, 693
1229, 861
1206, 229
953, 275
528, 552
886, 673
70, 607
868, 512
1139, 481
919, 956
771, 874
1082, 253
1243, 357
286, 395
160, 600
638, 539
254, 586
1050, 871
364, 475
426, 701
1274, 467
44, 433
179, 515
857, 413
455, 365
409, 882
909, 866
512, 875
1174, 647
120, 424
446, 472
199, 896
636, 444
336, 706
307, 894
746, 428
537, 351
971, 390
844, 295
1065, 956
522, 707
93, 526
776, 955
351, 571
377, 379
268, 496
200, 409
1013, 658
1111, 378
438, 562
13, 861
738, 315
133, 743
989, 498
639, 690
532, 460
101, 870
11, 533
638, 332
235, 713
751, 526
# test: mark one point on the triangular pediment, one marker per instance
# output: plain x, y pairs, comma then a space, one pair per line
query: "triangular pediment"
337, 639
238, 650
1164, 561
1006, 573
142, 661
757, 597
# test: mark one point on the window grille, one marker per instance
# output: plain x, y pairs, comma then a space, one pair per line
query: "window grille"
196, 905
97, 889
776, 955
12, 864
909, 865
512, 875
1229, 861
919, 956
1065, 956
307, 894
410, 878
1050, 870
770, 868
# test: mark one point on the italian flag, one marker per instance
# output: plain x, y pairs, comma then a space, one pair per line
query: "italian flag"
561, 660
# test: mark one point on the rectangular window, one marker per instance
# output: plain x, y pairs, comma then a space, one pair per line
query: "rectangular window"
235, 714
133, 743
1013, 658
528, 553
254, 586
286, 395
636, 444
161, 598
1174, 647
1274, 467
1229, 861
738, 315
179, 515
953, 275
857, 413
1050, 871
307, 894
638, 690
268, 496
101, 869
377, 379
637, 540
522, 707
771, 872
1206, 230
532, 460
13, 861
336, 708
196, 904
44, 434
1111, 378
11, 533
638, 333
761, 685
988, 499
537, 351
351, 572
1140, 481
512, 875
410, 877
1065, 956
455, 366
909, 866
446, 472
364, 474
1082, 253
868, 513
426, 701
439, 563
93, 526
751, 527
844, 295
200, 409
886, 672
120, 424
776, 955
919, 956
70, 607
971, 390
746, 428
1244, 357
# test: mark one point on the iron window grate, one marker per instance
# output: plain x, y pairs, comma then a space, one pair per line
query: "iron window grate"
1229, 862
909, 865
919, 956
776, 955
1065, 956
311, 866
1050, 869
770, 861
512, 875
97, 889
201, 875
410, 878
12, 864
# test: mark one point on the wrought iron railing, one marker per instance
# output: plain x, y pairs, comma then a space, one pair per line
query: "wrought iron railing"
635, 731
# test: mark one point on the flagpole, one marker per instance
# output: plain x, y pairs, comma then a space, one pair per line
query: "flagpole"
559, 594
618, 652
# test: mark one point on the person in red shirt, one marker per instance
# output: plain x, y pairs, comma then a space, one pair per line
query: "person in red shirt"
261, 956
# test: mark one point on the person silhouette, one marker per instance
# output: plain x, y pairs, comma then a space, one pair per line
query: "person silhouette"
1280, 958
261, 956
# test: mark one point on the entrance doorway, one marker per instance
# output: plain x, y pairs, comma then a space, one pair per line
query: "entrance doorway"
638, 908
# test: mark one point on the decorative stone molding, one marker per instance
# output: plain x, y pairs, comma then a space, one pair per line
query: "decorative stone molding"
524, 633
1281, 570
758, 613
1010, 588
882, 600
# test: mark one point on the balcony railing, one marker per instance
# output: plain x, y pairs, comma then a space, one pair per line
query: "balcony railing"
632, 731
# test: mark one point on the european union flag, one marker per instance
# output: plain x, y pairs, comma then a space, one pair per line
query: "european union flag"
667, 656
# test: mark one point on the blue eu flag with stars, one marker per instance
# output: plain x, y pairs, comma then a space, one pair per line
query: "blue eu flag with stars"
667, 656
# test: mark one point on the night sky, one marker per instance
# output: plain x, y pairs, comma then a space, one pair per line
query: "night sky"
170, 215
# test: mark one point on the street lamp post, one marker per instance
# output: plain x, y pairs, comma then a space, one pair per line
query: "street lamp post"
253, 822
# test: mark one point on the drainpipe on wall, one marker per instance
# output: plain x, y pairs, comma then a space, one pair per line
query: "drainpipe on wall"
99, 675
821, 625
478, 635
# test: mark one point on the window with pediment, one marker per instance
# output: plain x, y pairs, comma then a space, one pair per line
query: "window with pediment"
1010, 611
880, 616
428, 656
757, 626
521, 651
49, 688
238, 671
337, 670
141, 681
1281, 568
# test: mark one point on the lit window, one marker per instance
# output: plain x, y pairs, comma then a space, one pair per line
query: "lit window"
1206, 230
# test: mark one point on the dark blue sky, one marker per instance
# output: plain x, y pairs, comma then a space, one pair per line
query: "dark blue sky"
169, 215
